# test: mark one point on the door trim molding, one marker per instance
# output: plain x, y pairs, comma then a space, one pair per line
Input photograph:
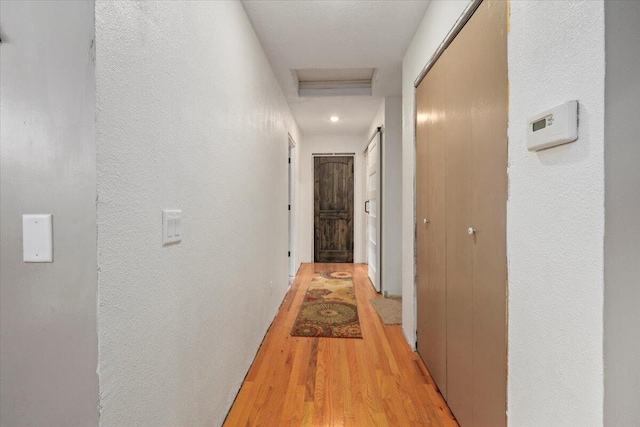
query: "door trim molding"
379, 132
293, 210
460, 23
333, 154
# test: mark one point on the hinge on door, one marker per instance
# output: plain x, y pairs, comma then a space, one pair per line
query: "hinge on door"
289, 207
289, 159
289, 254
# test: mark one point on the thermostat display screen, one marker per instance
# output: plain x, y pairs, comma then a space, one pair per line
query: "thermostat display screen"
540, 124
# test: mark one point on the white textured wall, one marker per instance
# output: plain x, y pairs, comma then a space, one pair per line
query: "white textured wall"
392, 196
378, 120
48, 339
330, 143
437, 22
555, 218
189, 116
622, 211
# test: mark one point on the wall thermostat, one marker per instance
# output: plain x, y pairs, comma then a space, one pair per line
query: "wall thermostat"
556, 126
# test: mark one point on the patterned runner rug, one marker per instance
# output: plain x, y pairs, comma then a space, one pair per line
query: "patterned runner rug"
329, 308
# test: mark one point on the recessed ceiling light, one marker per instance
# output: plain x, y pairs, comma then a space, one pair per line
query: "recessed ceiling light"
334, 118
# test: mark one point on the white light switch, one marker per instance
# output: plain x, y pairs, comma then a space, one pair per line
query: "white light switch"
176, 224
37, 238
171, 226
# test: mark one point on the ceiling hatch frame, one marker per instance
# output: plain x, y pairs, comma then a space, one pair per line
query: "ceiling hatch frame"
334, 82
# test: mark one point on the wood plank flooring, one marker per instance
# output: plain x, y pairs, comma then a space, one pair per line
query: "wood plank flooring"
374, 381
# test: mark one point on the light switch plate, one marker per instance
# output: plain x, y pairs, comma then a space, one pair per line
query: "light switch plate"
171, 226
37, 238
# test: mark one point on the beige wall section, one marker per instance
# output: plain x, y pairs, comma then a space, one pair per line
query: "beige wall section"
48, 340
330, 143
189, 116
622, 214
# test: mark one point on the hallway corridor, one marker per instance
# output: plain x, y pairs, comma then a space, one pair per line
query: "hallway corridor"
374, 381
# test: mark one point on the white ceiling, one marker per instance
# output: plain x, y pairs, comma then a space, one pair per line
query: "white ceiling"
299, 34
355, 112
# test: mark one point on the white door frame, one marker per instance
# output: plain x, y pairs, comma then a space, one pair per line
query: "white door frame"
292, 206
376, 280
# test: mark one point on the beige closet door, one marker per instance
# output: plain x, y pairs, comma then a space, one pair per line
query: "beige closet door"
476, 218
430, 181
459, 249
461, 189
476, 212
489, 116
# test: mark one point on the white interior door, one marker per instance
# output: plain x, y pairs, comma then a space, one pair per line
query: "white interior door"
373, 211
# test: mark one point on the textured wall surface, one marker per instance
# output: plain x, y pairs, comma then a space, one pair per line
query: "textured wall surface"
555, 218
622, 211
437, 21
392, 197
329, 143
189, 116
48, 340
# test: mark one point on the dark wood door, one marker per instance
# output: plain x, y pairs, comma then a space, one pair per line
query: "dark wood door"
333, 209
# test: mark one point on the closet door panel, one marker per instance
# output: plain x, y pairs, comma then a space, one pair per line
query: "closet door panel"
459, 98
433, 338
489, 121
437, 228
461, 185
422, 181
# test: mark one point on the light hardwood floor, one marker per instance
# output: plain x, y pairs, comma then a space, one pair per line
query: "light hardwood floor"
374, 381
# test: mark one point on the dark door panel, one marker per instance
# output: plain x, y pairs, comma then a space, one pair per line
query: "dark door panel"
333, 209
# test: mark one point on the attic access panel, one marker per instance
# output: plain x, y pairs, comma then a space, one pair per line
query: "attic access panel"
334, 81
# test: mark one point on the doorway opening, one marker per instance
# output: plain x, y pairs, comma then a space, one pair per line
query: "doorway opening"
333, 208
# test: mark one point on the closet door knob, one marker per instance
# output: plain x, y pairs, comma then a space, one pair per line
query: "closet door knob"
425, 221
471, 231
